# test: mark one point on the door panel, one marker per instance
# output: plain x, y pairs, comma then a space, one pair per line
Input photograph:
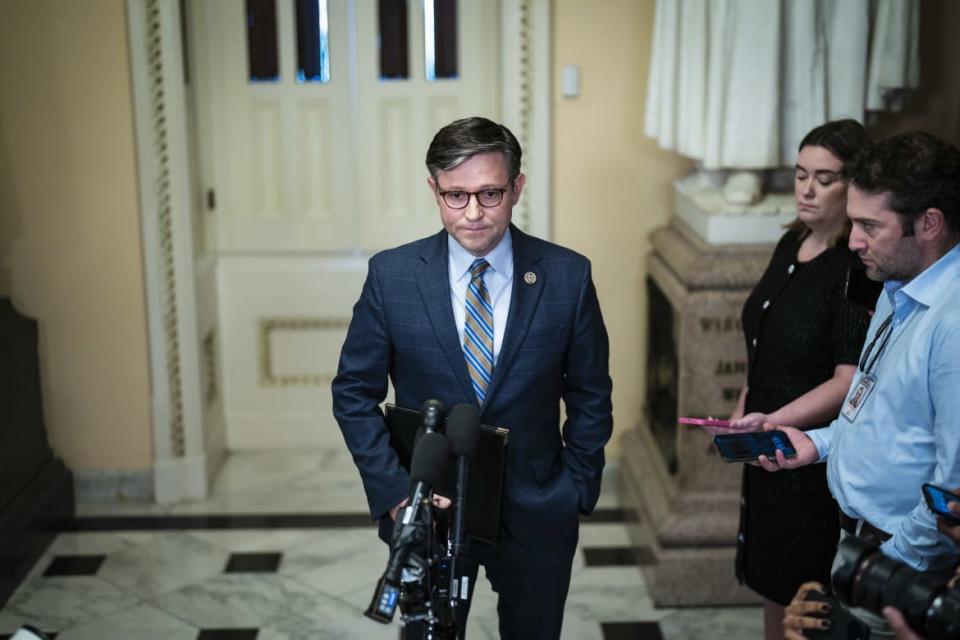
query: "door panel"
277, 185
398, 119
310, 179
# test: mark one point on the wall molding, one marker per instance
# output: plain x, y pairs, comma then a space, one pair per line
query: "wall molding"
211, 390
265, 329
161, 210
163, 166
526, 104
179, 478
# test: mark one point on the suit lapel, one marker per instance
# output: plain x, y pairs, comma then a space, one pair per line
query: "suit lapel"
523, 303
433, 280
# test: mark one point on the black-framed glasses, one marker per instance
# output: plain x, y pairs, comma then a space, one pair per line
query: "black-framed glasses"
457, 199
883, 335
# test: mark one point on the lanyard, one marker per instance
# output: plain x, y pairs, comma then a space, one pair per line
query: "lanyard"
883, 334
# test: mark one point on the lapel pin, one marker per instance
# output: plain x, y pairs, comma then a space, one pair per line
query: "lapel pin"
530, 277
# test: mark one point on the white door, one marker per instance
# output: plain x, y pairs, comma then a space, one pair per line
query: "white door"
309, 163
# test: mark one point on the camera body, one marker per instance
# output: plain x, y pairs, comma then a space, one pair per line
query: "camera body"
864, 577
843, 626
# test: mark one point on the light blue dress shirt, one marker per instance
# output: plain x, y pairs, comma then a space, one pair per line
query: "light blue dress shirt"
908, 429
498, 278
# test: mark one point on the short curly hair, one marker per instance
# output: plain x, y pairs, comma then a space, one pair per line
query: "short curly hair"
917, 172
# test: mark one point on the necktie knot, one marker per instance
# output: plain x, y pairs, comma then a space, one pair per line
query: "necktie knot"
478, 267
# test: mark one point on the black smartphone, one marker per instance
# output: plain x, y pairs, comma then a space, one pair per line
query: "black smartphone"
745, 447
937, 499
861, 289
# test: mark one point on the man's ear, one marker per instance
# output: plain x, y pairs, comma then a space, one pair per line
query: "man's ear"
518, 183
931, 225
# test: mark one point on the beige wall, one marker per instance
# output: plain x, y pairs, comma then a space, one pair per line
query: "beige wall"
69, 238
69, 223
612, 185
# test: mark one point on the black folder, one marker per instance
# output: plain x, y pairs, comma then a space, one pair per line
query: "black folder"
485, 480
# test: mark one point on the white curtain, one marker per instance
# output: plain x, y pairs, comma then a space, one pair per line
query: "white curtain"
737, 83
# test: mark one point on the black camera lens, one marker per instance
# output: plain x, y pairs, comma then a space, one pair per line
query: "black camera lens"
871, 582
852, 554
913, 593
943, 619
865, 577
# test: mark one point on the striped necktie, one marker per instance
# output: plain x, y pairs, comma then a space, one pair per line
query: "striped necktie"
478, 330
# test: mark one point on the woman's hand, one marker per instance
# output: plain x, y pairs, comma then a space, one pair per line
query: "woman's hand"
750, 422
803, 614
740, 424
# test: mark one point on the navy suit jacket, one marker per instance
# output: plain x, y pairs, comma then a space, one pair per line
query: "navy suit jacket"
554, 348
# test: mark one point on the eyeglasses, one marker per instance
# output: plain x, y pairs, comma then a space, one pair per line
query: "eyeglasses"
456, 199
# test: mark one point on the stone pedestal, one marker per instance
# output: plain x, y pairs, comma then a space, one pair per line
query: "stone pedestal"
684, 496
699, 202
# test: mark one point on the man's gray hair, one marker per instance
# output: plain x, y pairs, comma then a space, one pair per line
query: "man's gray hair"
459, 141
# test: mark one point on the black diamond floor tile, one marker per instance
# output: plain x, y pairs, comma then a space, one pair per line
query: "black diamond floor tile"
74, 566
228, 634
253, 563
631, 631
617, 556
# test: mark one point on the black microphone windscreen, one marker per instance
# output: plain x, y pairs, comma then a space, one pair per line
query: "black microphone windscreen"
430, 459
463, 429
432, 414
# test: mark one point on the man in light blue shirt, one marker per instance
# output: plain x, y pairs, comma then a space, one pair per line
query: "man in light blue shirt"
900, 423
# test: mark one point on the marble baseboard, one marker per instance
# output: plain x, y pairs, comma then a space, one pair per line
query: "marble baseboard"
114, 485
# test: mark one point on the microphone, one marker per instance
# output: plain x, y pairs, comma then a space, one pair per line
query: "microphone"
463, 430
432, 416
426, 470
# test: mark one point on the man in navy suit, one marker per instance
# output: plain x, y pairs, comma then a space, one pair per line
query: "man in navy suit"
484, 313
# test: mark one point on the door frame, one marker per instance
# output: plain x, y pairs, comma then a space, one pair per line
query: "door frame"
184, 460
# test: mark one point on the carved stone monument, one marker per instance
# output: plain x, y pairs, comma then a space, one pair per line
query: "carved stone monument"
684, 497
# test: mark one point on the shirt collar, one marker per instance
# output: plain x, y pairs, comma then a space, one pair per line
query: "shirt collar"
925, 288
500, 259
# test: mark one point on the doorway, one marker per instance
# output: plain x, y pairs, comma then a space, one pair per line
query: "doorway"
289, 138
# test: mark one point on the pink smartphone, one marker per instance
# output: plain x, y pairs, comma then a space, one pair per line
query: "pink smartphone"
704, 422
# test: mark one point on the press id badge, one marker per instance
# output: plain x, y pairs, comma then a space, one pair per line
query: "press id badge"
859, 397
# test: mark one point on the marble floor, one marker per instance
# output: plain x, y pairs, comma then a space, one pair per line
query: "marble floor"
283, 550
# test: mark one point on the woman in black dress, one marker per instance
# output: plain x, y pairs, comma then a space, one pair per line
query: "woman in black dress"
803, 340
